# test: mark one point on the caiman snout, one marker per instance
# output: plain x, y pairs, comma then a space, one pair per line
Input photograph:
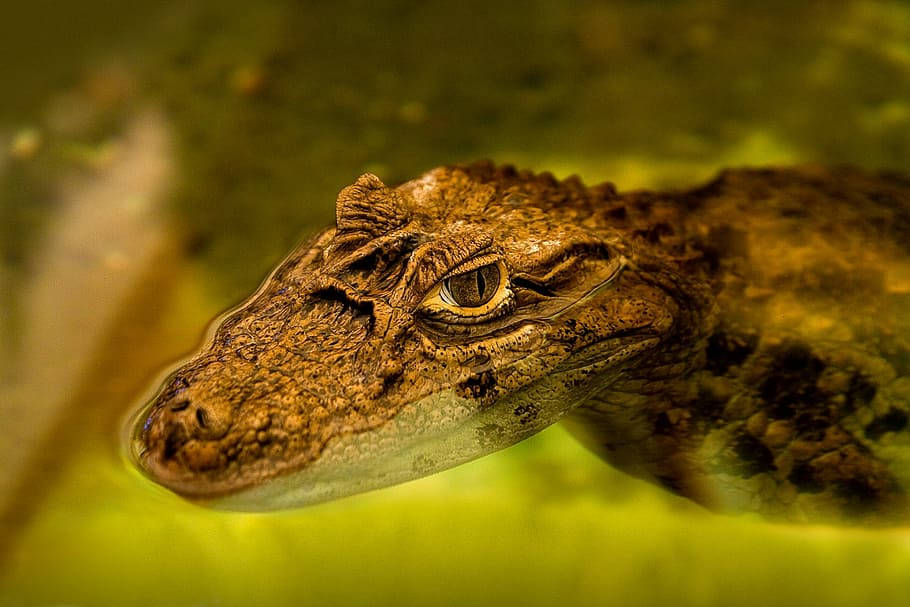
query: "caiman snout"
183, 433
280, 378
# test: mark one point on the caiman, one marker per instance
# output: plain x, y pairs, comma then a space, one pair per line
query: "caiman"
745, 344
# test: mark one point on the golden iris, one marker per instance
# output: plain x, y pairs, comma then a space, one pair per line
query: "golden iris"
477, 293
471, 289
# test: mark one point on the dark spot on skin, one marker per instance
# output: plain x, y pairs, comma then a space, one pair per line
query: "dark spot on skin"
894, 420
804, 478
618, 213
478, 386
860, 392
526, 413
392, 378
753, 457
858, 493
708, 405
810, 426
790, 385
662, 424
643, 204
180, 406
727, 350
657, 232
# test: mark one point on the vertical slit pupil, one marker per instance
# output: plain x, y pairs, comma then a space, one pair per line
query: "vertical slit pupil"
475, 288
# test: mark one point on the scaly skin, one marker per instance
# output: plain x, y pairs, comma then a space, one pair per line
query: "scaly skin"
745, 344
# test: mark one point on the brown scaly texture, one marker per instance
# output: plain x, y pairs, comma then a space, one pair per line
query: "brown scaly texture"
750, 350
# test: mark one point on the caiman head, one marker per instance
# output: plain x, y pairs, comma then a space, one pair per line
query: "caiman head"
439, 321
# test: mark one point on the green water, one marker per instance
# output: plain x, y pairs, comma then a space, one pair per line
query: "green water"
157, 160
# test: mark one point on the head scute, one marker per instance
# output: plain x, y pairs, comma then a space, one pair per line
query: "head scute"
369, 208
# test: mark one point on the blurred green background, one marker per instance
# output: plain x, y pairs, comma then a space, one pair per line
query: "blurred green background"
157, 159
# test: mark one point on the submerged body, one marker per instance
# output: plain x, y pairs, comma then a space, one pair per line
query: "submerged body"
745, 344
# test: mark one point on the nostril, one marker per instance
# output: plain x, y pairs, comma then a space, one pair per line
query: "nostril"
202, 417
180, 406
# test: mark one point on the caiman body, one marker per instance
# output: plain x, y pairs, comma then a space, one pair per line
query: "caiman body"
745, 344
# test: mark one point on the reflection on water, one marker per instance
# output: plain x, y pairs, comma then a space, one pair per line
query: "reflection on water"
151, 178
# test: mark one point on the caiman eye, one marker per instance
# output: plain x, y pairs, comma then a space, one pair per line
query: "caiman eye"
472, 289
474, 293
